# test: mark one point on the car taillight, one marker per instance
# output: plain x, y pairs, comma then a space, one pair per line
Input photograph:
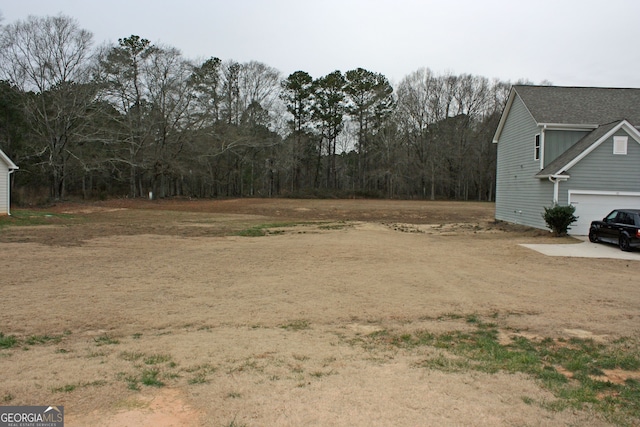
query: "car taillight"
638, 233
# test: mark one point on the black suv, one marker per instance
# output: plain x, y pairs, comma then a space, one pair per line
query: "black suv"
620, 227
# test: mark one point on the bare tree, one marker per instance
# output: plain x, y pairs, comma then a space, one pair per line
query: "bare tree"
419, 107
259, 83
50, 57
167, 75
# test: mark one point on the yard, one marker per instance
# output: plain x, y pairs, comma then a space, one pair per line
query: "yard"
263, 312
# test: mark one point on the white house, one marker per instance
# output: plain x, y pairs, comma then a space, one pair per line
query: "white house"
6, 168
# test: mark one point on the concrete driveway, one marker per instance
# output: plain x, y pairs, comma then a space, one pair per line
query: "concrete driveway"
584, 249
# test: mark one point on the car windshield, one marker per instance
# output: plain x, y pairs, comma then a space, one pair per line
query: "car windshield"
611, 216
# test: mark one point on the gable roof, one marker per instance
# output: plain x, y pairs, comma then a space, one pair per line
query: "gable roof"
586, 145
7, 160
580, 107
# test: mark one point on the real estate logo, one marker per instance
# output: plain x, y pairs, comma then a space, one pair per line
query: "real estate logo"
31, 416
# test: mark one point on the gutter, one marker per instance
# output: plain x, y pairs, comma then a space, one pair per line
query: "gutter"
569, 126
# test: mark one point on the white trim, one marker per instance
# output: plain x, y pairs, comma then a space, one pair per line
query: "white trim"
632, 131
556, 179
603, 193
503, 116
543, 137
568, 126
554, 176
7, 160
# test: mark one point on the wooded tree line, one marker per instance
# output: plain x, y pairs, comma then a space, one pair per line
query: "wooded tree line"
135, 117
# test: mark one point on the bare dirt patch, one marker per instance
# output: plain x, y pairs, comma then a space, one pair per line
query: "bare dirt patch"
134, 312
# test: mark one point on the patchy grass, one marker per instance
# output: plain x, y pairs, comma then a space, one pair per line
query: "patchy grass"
12, 341
131, 356
155, 359
573, 370
150, 369
7, 341
68, 388
233, 423
199, 373
296, 325
150, 378
278, 228
320, 374
199, 378
43, 339
23, 218
133, 382
105, 340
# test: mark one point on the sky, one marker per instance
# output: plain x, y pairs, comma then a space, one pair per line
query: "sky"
565, 42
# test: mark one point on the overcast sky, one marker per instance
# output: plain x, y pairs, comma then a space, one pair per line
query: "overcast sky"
567, 42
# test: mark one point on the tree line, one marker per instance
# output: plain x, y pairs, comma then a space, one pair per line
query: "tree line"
134, 118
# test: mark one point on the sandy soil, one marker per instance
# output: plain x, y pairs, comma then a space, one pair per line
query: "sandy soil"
262, 331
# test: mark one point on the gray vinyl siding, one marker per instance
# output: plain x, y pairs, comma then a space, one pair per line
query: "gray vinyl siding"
4, 188
557, 142
520, 196
602, 170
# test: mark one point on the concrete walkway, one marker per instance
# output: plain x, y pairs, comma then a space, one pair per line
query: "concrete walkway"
585, 249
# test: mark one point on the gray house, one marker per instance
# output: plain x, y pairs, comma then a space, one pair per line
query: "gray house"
6, 168
567, 145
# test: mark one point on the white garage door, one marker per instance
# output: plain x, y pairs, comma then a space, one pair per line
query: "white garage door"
595, 205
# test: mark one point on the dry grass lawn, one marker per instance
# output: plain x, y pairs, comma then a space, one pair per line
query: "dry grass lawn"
309, 313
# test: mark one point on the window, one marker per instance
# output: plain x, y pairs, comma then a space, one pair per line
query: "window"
620, 144
611, 217
536, 154
626, 218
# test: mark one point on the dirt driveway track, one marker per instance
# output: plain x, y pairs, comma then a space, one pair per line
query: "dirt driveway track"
138, 313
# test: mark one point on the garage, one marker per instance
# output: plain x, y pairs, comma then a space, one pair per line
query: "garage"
594, 205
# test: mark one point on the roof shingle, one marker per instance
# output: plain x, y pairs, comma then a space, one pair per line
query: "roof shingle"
580, 105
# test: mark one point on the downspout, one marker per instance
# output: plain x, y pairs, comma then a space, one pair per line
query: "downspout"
556, 187
542, 138
556, 190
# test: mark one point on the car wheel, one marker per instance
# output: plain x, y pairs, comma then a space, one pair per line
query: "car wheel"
624, 244
593, 236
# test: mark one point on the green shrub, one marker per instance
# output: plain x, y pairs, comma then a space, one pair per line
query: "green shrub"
560, 218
